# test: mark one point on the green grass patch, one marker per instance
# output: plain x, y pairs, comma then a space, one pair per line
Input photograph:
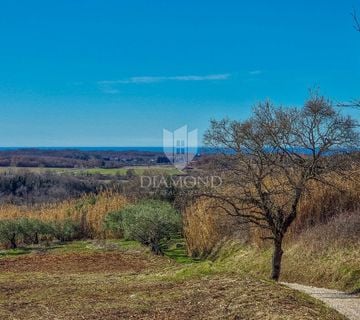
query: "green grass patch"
177, 251
14, 252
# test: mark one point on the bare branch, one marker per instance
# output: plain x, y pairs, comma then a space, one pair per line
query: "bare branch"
351, 104
274, 156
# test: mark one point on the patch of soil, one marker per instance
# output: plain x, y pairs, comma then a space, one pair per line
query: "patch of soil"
78, 262
75, 286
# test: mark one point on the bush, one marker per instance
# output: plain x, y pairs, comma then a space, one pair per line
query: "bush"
24, 230
33, 229
113, 223
66, 230
10, 232
150, 222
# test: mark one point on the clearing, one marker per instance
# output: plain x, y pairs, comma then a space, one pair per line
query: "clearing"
121, 280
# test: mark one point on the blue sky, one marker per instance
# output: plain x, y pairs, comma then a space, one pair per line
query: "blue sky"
115, 73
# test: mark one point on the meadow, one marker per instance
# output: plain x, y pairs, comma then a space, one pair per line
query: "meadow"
123, 280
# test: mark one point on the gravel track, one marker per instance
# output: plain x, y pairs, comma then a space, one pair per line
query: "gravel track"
346, 304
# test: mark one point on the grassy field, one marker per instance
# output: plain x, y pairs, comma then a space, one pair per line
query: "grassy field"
121, 280
138, 170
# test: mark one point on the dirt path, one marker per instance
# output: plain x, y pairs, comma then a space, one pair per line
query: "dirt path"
346, 304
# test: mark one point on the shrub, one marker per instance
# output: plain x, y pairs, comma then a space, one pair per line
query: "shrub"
66, 230
152, 223
33, 229
10, 232
30, 231
113, 223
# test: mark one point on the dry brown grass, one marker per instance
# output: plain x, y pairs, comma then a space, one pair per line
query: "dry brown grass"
326, 255
89, 210
324, 202
205, 227
119, 291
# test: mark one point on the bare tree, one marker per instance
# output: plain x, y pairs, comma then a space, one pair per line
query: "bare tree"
268, 161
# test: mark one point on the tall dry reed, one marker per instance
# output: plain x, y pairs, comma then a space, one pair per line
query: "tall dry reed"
89, 211
205, 226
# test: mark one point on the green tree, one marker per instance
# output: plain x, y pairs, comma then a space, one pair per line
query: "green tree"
66, 230
10, 232
33, 229
152, 223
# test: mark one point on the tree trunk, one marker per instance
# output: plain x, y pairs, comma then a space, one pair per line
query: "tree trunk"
276, 260
13, 242
155, 248
36, 239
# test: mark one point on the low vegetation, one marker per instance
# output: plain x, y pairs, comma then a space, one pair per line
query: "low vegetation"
325, 254
152, 223
120, 280
330, 262
33, 231
87, 212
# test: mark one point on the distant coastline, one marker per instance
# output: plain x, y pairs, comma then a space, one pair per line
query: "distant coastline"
149, 149
199, 150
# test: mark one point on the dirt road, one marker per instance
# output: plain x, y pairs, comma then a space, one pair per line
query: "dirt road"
346, 304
